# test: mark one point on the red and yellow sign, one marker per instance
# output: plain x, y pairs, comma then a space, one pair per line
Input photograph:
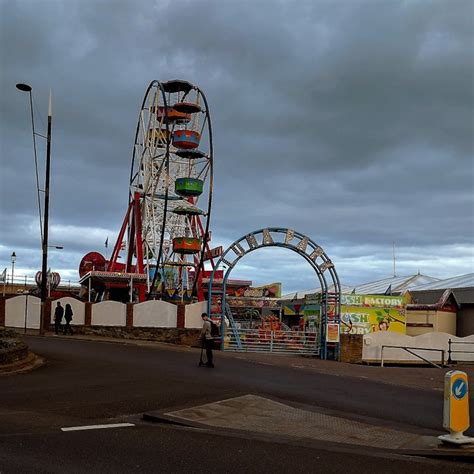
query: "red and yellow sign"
332, 333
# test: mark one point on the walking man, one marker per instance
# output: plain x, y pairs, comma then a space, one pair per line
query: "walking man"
58, 317
68, 319
207, 339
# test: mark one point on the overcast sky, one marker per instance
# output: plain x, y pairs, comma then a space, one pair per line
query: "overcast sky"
349, 121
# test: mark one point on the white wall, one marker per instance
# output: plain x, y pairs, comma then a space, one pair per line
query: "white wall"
15, 312
109, 313
78, 309
192, 318
157, 314
373, 342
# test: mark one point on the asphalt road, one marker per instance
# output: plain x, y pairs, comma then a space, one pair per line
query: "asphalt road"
85, 383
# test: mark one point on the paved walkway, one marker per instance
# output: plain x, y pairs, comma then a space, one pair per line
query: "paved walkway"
429, 378
256, 414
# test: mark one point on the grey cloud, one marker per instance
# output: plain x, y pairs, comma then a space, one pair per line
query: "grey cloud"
350, 121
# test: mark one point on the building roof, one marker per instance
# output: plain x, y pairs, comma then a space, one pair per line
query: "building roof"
462, 281
461, 296
461, 287
393, 285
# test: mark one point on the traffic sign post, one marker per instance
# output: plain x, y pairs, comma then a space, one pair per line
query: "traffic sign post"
456, 408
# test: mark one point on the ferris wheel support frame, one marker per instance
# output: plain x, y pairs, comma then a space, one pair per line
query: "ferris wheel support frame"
132, 220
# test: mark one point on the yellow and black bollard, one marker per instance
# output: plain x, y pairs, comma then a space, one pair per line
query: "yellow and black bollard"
456, 408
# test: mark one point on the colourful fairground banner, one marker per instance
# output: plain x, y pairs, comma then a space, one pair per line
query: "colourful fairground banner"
363, 314
363, 320
272, 290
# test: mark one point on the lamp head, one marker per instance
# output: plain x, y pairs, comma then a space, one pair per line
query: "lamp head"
23, 87
13, 257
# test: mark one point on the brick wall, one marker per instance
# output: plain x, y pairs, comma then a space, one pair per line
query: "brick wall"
351, 348
187, 337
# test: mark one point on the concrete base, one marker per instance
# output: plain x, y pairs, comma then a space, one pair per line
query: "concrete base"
456, 438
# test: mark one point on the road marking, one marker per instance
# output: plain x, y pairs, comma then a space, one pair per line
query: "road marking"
97, 427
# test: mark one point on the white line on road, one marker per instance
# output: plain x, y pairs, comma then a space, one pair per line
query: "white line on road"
97, 427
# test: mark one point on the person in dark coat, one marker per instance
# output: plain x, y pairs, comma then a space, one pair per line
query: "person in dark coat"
207, 339
58, 317
68, 319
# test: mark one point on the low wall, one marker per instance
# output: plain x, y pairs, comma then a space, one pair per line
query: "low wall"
155, 314
109, 313
372, 347
188, 337
78, 310
193, 314
24, 311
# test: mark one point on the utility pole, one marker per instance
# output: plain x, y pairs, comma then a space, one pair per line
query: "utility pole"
44, 267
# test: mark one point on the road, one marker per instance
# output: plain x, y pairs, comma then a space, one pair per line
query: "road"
86, 383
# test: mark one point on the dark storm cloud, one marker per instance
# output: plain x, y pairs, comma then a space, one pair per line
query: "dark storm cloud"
350, 121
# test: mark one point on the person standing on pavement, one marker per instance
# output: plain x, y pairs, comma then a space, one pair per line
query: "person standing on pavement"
68, 318
207, 339
58, 317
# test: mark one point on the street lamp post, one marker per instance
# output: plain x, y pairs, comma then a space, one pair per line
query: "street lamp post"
44, 266
13, 257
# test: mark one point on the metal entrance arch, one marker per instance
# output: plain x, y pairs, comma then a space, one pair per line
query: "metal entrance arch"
311, 252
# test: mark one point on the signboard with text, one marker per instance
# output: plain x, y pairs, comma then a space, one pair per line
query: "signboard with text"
332, 333
370, 301
364, 320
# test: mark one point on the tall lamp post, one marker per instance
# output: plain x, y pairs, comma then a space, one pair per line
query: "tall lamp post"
44, 240
13, 257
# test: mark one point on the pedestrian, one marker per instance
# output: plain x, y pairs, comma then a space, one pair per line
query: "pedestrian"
58, 317
68, 317
207, 339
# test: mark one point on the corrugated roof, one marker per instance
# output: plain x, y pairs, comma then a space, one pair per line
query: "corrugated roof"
461, 281
398, 284
301, 294
461, 295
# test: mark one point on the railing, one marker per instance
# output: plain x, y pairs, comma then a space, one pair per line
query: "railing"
282, 342
22, 283
411, 349
450, 351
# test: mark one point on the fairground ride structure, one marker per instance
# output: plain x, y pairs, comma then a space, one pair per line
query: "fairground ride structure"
165, 233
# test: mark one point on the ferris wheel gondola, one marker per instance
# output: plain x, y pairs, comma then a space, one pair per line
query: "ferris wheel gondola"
171, 178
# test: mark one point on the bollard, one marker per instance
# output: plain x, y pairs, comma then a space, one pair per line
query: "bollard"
456, 408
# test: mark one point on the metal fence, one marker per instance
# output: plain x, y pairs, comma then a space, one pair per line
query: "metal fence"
19, 284
451, 351
410, 351
283, 342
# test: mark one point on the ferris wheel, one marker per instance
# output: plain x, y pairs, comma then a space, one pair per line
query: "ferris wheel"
171, 180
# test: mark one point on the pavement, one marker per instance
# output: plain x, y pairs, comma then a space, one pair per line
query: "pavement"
256, 414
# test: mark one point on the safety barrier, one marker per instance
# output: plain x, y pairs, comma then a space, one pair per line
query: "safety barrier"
410, 351
282, 342
450, 351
